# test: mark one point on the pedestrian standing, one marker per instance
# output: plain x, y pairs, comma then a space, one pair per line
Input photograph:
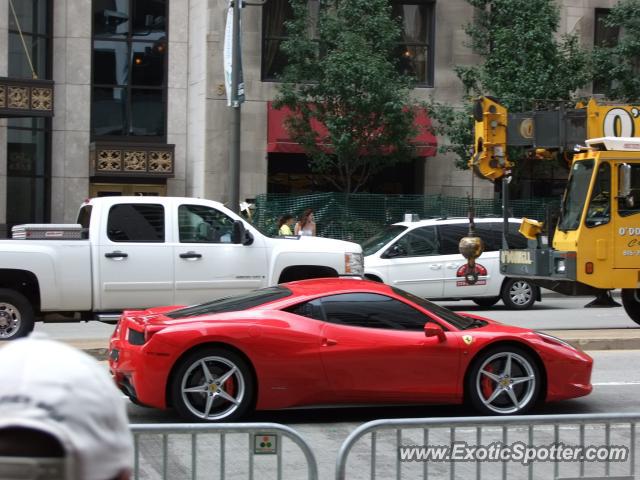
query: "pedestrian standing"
284, 225
306, 226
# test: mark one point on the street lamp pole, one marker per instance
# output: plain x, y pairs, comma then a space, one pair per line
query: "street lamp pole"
234, 156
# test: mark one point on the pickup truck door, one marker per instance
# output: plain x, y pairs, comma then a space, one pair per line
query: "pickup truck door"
207, 264
135, 267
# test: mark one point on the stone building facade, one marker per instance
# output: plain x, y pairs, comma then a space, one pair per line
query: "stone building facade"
138, 103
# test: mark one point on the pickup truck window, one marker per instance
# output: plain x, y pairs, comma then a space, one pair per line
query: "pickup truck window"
202, 224
136, 222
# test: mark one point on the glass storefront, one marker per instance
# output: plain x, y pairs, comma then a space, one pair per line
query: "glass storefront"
29, 139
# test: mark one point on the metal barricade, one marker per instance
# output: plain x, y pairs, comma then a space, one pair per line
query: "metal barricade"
246, 450
586, 446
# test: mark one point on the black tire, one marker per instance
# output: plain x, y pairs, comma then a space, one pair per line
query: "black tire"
518, 294
209, 404
631, 303
16, 315
486, 301
512, 389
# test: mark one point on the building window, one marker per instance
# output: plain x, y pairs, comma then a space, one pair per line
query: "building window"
29, 139
604, 36
415, 51
129, 86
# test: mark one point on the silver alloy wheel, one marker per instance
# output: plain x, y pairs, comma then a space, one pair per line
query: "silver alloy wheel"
505, 382
521, 292
10, 320
204, 388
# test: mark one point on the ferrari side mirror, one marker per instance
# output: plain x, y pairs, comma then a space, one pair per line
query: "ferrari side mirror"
433, 330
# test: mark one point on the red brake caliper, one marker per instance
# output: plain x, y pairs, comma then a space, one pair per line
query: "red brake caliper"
486, 384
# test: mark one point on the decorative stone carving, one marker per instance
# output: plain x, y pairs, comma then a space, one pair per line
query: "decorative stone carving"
160, 162
3, 96
18, 97
109, 161
135, 161
41, 98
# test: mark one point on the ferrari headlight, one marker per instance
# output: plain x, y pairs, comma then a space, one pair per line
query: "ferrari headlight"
353, 264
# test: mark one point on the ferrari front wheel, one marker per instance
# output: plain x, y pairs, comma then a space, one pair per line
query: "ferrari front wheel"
212, 385
504, 381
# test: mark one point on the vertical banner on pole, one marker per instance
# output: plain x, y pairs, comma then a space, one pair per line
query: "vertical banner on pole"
228, 60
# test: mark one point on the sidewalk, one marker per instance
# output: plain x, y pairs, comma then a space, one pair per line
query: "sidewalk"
601, 339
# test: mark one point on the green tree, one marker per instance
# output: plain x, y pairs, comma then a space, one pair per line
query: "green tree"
617, 66
341, 73
523, 63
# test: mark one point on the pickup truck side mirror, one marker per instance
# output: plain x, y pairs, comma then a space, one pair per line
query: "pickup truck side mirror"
241, 234
434, 330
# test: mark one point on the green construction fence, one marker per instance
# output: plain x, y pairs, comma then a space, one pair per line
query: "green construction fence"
356, 217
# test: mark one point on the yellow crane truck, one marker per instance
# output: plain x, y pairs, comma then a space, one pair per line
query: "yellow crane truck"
595, 246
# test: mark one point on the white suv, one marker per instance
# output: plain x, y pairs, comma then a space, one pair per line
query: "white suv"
422, 257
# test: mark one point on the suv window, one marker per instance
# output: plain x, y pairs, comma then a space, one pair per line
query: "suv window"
450, 236
417, 243
136, 222
371, 310
490, 232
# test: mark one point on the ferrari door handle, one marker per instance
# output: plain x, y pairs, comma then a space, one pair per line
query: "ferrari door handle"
328, 342
189, 255
117, 255
436, 267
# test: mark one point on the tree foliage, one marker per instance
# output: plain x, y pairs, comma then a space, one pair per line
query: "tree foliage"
523, 63
341, 73
617, 66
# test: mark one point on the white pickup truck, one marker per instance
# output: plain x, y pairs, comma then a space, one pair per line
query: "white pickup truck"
137, 252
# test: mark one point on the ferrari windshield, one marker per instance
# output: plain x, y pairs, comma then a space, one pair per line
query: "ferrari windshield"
233, 304
453, 318
575, 197
380, 239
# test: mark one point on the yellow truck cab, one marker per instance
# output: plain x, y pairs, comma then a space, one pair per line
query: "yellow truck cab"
596, 243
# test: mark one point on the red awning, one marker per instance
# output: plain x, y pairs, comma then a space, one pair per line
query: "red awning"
279, 141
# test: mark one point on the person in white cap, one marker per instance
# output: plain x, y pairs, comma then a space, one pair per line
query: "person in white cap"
61, 415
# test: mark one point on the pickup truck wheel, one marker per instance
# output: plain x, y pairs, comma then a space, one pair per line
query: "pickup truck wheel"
631, 303
212, 385
16, 315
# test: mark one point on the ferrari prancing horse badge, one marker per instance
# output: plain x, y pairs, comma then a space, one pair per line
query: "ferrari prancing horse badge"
467, 339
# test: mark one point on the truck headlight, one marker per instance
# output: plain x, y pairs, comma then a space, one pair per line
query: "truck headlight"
353, 264
561, 267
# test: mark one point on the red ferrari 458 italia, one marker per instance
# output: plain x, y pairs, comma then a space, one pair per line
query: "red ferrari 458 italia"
335, 341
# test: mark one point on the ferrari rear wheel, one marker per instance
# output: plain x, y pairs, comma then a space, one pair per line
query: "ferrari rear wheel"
504, 381
212, 385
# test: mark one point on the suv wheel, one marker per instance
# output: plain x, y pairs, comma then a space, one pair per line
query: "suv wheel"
518, 294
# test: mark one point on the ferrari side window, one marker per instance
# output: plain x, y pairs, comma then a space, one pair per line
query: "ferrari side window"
372, 311
308, 309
